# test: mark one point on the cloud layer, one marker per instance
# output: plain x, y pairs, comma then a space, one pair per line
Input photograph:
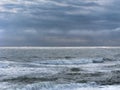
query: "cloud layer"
59, 23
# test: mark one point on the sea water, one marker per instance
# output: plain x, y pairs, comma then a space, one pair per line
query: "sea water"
60, 68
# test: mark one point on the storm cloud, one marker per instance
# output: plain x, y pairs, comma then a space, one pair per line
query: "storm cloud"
59, 23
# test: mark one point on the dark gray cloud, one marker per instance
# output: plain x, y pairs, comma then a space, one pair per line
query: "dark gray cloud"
59, 23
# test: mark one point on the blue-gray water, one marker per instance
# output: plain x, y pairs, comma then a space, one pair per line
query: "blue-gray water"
59, 68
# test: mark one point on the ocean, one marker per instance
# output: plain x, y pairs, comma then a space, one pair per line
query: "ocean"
59, 68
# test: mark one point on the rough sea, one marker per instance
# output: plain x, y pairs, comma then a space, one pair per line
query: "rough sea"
80, 68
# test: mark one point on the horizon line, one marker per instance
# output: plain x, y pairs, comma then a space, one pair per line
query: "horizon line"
55, 47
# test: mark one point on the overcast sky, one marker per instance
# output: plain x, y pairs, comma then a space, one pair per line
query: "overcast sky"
59, 22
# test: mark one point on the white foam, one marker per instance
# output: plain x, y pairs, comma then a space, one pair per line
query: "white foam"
12, 72
4, 65
53, 86
66, 62
71, 87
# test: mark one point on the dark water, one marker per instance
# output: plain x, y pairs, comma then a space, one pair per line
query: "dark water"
59, 68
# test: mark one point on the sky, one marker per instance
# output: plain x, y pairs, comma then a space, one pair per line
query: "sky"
59, 23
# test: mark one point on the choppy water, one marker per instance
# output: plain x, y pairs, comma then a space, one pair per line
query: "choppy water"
59, 68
